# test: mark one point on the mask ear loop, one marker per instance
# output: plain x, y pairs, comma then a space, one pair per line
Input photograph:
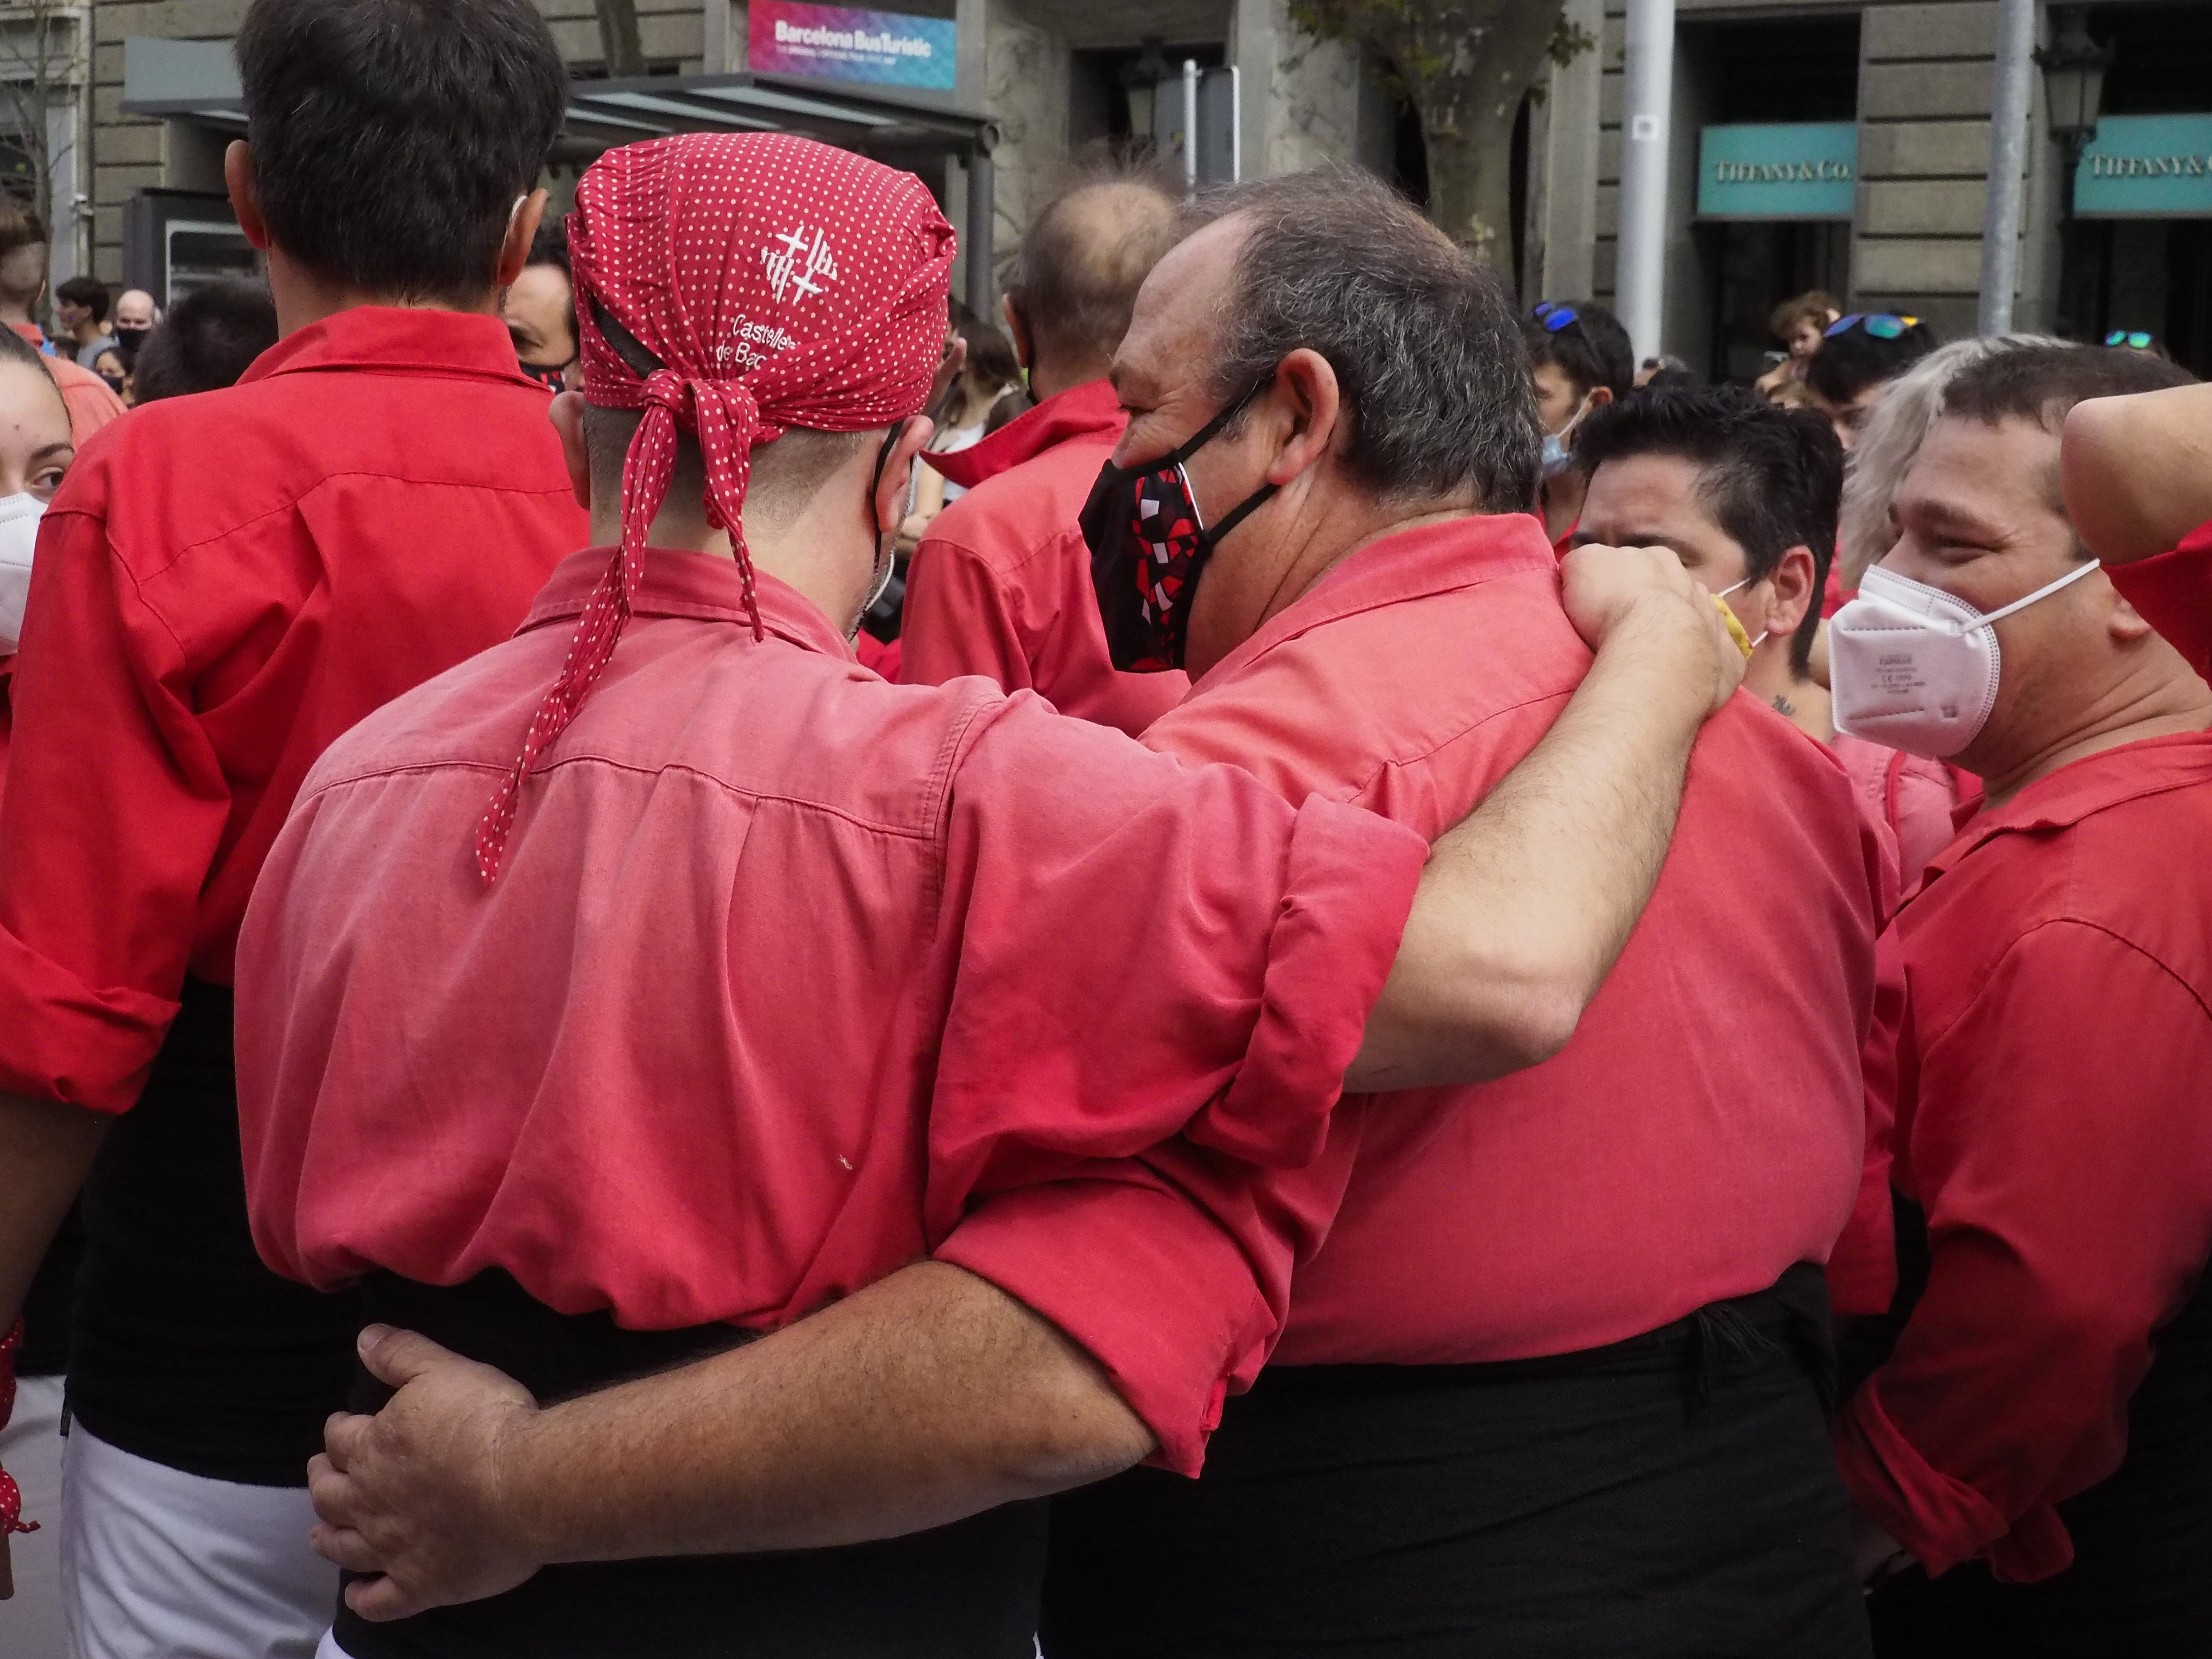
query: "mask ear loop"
2044, 591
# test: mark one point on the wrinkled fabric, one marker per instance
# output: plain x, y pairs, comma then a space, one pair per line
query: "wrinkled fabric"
794, 978
2048, 1070
225, 583
1704, 1131
2173, 591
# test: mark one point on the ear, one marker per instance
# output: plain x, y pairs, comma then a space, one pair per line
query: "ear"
567, 415
898, 474
521, 231
245, 202
1305, 387
1600, 396
1792, 580
1018, 330
2126, 623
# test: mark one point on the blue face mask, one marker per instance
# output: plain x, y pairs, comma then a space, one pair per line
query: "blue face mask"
1557, 457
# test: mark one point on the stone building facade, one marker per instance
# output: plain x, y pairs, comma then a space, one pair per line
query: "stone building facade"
1901, 88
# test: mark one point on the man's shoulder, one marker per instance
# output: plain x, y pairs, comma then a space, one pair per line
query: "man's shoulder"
1011, 517
2136, 869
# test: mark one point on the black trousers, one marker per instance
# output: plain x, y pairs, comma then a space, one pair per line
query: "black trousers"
965, 1591
1671, 1495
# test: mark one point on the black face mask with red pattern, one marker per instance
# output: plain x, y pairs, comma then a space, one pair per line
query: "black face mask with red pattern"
549, 375
1148, 547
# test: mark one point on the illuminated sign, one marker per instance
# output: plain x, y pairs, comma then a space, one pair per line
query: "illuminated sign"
2147, 167
1794, 170
832, 42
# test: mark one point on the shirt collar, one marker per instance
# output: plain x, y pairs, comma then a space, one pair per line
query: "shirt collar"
1078, 412
1401, 565
2084, 787
396, 337
700, 586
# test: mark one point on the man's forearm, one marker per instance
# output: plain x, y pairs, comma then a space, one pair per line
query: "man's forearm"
45, 1151
1525, 906
2137, 471
927, 1397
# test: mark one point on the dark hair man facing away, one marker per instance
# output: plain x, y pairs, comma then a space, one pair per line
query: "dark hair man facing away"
389, 497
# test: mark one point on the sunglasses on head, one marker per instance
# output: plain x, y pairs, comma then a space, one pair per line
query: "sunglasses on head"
1881, 324
1553, 315
2138, 338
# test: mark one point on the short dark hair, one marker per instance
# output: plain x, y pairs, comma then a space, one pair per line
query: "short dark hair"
1773, 477
549, 246
209, 337
1591, 351
391, 137
2040, 384
1088, 251
1848, 363
1423, 340
87, 291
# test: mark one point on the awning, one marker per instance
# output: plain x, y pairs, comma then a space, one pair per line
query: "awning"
197, 81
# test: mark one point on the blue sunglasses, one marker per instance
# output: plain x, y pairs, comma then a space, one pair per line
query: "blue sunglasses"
2121, 337
1553, 315
1881, 324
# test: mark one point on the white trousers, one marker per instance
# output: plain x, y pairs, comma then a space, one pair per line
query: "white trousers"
32, 1626
157, 1563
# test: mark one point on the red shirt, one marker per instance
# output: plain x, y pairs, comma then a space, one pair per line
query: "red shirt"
224, 583
1703, 1131
2173, 591
2051, 1072
793, 977
1000, 586
1915, 800
91, 401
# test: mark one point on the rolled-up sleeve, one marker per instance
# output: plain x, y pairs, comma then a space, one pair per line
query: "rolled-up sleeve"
2064, 1159
1163, 973
2173, 591
113, 808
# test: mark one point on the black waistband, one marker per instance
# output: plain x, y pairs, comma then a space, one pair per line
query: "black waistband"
1789, 1317
1673, 1496
187, 1350
965, 1591
493, 1319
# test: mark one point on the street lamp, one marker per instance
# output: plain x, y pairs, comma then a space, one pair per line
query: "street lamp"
2073, 68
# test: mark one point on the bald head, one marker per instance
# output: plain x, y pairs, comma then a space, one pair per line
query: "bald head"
1080, 266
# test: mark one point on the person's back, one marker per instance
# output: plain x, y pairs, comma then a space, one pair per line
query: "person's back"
1001, 584
388, 500
766, 979
1494, 1342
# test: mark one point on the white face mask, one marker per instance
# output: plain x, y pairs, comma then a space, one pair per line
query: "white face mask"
19, 536
1916, 668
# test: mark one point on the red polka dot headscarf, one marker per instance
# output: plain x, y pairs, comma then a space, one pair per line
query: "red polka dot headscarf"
776, 283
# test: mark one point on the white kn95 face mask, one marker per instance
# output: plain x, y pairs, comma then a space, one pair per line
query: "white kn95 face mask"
1916, 668
19, 536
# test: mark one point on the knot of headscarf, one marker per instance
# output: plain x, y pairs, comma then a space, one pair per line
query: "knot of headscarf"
759, 281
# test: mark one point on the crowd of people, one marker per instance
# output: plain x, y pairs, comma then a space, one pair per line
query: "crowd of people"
699, 957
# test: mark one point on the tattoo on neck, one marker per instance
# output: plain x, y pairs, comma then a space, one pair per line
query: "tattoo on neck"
1784, 706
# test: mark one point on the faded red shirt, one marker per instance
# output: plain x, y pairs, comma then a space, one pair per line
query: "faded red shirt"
224, 584
1000, 586
2173, 591
1703, 1131
2050, 1072
793, 977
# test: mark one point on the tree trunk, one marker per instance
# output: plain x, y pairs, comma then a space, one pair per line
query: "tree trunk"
1466, 65
618, 38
